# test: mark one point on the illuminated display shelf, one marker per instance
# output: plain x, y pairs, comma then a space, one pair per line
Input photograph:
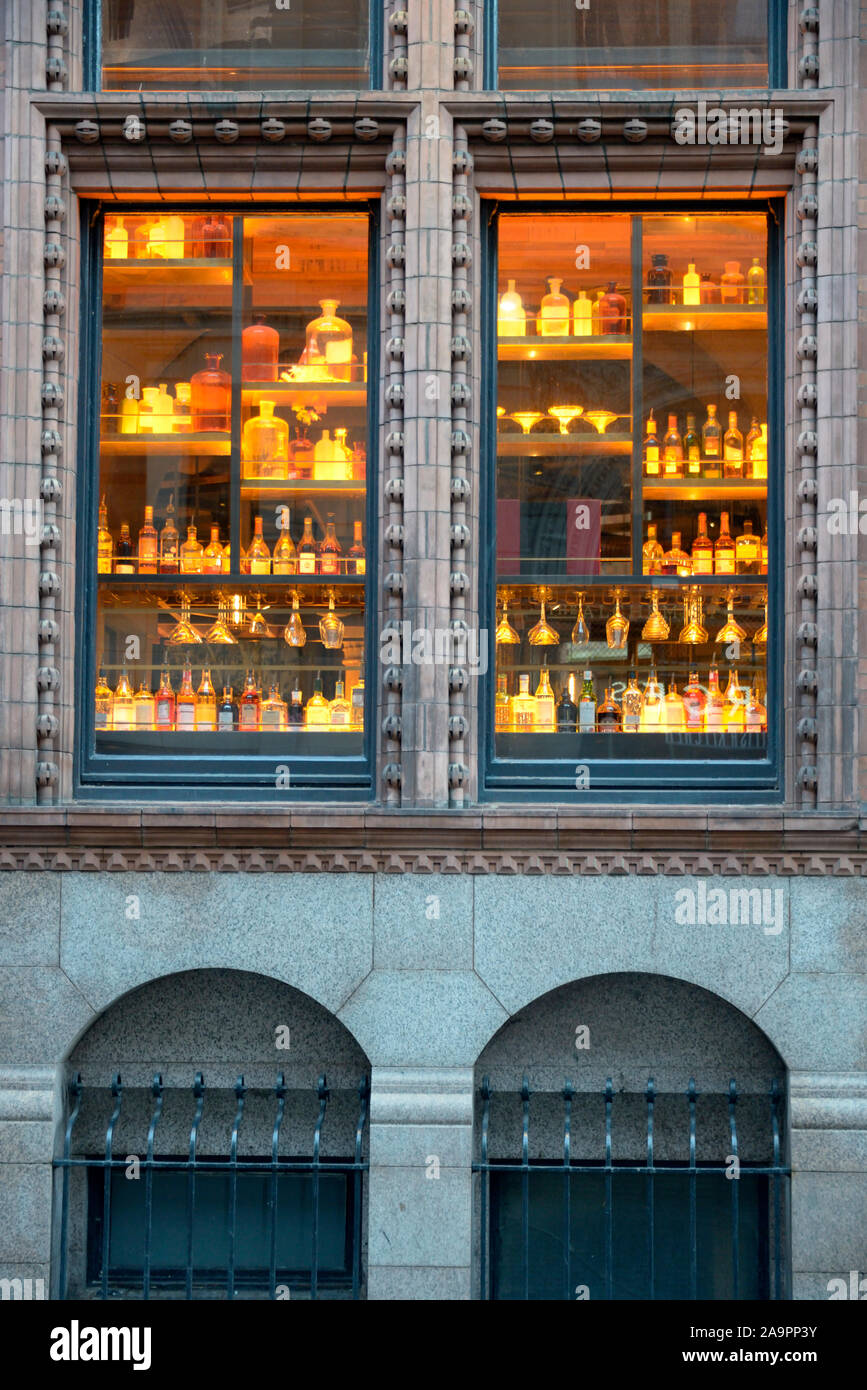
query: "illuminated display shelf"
162, 444
703, 489
251, 487
121, 275
560, 446
622, 578
332, 393
221, 581
706, 317
530, 349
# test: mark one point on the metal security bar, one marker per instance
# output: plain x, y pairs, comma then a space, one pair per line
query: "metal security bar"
236, 1170
508, 1267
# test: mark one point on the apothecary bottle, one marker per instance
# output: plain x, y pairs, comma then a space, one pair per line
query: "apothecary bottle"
659, 280
265, 444
553, 319
732, 284
210, 396
260, 350
612, 310
511, 316
329, 343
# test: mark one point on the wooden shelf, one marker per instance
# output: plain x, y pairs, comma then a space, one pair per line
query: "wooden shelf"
703, 489
613, 346
250, 487
561, 445
121, 275
734, 318
163, 444
337, 393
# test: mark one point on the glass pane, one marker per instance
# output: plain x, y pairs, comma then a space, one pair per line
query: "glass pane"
216, 45
546, 44
231, 556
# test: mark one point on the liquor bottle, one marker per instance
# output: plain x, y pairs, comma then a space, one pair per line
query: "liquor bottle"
756, 282
609, 716
340, 710
582, 316
330, 550
356, 562
672, 709
295, 713
258, 554
714, 721
553, 317
273, 712
724, 549
702, 548
632, 703
357, 704
210, 396
144, 706
307, 549
732, 284
694, 702
733, 449
116, 240
651, 552
676, 560
265, 445
523, 707
329, 344
757, 450
104, 541
672, 451
567, 710
692, 449
227, 712
651, 710
123, 560
248, 705
613, 310
317, 713
764, 560
748, 551
502, 706
212, 559
284, 559
206, 704
102, 703
191, 553
756, 716
545, 719
691, 286
659, 289
123, 705
711, 442
148, 544
651, 450
164, 704
587, 706
170, 542
226, 558
511, 318
260, 351
735, 703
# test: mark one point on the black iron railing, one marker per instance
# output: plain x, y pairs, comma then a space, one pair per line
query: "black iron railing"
262, 1180
535, 1214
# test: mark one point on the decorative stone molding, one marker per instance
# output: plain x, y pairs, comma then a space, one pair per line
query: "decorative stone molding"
464, 67
808, 60
396, 48
461, 485
393, 460
806, 448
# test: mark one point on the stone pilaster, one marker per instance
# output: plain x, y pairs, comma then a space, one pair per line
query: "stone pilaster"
829, 1184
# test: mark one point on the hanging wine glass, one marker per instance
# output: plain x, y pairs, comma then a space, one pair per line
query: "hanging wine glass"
183, 633
505, 635
617, 627
656, 629
293, 633
330, 627
219, 631
762, 635
580, 632
695, 634
731, 630
543, 634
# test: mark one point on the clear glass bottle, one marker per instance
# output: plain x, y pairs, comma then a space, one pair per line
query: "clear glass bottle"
587, 705
293, 633
651, 709
329, 343
757, 450
206, 704
248, 705
273, 712
511, 317
109, 414
582, 315
553, 318
210, 396
652, 464
748, 551
144, 706
330, 550
103, 699
733, 449
711, 441
692, 449
545, 714
523, 707
116, 240
191, 553
596, 313
227, 712
651, 551
702, 548
732, 284
182, 420
502, 706
170, 542
317, 713
756, 282
212, 559
709, 289
258, 553
714, 721
632, 705
164, 410
164, 704
735, 704
307, 558
328, 466
694, 702
104, 541
755, 715
609, 716
672, 709
265, 444
340, 711
691, 286
357, 703
284, 560
676, 560
260, 351
123, 556
672, 451
148, 544
356, 560
123, 705
724, 549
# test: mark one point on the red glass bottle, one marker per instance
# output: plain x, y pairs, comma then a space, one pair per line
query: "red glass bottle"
330, 550
612, 310
260, 350
164, 705
216, 238
210, 396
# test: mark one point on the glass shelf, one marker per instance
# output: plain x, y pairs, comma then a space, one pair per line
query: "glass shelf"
119, 275
333, 393
703, 489
734, 318
162, 444
610, 347
560, 446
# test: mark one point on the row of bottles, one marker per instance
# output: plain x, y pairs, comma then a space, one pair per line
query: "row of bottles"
708, 454
268, 452
169, 237
558, 317
746, 553
201, 405
327, 354
697, 709
201, 710
162, 553
700, 287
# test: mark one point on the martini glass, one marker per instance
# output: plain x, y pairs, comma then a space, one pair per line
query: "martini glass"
526, 418
601, 419
565, 414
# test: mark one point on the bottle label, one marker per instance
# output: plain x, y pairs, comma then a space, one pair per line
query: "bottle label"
340, 716
631, 722
124, 567
306, 563
225, 720
713, 718
652, 453
101, 719
734, 455
205, 723
270, 719
259, 567
248, 718
186, 716
586, 717
724, 564
711, 447
330, 564
361, 566
284, 566
702, 563
164, 711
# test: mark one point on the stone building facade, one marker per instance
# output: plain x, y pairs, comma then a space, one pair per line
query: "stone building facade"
434, 933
